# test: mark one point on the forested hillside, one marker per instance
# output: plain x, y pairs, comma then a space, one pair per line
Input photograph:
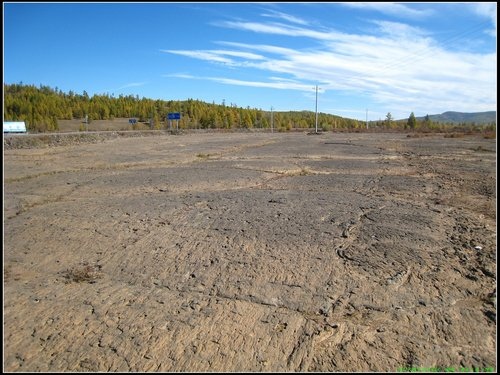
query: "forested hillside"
464, 117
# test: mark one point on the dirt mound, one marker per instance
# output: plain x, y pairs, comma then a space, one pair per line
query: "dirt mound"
68, 139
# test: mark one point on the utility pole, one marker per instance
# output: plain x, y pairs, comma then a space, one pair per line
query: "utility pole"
367, 118
316, 108
272, 124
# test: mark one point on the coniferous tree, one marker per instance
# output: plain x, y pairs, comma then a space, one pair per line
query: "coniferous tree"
427, 121
388, 119
412, 121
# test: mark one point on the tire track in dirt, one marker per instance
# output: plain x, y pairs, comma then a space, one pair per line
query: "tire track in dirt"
411, 276
335, 269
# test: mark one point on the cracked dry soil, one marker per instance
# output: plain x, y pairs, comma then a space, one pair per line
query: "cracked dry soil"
250, 252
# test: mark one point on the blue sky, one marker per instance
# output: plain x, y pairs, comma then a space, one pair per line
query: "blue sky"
425, 58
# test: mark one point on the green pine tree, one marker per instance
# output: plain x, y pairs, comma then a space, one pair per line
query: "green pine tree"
412, 121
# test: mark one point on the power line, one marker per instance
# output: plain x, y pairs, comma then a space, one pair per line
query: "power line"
272, 122
424, 52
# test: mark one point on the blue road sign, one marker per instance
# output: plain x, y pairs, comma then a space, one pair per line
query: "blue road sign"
174, 116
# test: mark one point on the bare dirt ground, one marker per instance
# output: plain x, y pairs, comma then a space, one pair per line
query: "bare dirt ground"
116, 124
250, 252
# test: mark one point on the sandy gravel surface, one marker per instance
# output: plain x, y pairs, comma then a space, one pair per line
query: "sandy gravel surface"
250, 252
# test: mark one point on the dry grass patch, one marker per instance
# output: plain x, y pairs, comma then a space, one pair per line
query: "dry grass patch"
208, 156
85, 273
454, 135
297, 172
490, 135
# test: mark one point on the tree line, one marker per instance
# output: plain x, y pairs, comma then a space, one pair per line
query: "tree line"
426, 124
41, 107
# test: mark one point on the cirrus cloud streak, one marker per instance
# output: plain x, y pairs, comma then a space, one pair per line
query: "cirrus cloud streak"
396, 66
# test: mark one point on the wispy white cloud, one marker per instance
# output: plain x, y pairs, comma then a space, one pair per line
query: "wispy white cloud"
284, 16
277, 83
245, 55
398, 65
489, 11
398, 9
283, 85
280, 29
400, 30
218, 56
202, 55
131, 84
179, 75
260, 47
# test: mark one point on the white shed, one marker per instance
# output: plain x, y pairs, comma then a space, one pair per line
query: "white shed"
14, 127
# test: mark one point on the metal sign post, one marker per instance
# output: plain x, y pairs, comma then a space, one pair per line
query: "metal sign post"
174, 116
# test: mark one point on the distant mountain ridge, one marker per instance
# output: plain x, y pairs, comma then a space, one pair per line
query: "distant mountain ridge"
464, 117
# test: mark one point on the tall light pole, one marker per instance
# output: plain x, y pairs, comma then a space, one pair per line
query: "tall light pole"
272, 125
316, 108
